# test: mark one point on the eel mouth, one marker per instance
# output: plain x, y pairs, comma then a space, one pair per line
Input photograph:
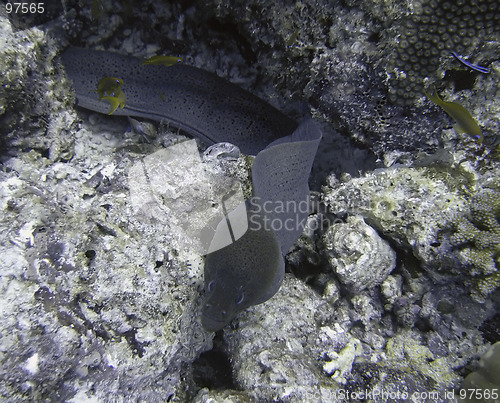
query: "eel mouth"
211, 324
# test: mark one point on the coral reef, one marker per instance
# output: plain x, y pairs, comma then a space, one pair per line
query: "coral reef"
329, 54
418, 207
100, 296
97, 299
431, 30
34, 110
88, 287
420, 359
477, 237
343, 58
409, 205
270, 355
276, 348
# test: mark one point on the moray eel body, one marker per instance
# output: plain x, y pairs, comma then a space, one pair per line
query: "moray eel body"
250, 270
280, 175
194, 100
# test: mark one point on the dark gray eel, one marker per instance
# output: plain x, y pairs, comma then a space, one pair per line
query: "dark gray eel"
194, 100
250, 270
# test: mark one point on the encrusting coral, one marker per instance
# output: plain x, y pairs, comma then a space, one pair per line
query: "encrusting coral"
357, 254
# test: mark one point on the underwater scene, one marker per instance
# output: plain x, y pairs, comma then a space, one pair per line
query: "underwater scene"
250, 201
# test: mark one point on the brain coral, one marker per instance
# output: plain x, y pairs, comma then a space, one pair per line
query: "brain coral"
433, 30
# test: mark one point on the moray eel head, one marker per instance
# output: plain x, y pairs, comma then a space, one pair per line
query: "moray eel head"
247, 272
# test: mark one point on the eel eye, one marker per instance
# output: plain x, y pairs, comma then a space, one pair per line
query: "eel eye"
240, 298
210, 285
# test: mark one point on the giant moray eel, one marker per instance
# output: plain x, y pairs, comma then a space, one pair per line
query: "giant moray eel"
250, 270
194, 100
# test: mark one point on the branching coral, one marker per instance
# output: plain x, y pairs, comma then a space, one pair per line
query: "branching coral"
477, 237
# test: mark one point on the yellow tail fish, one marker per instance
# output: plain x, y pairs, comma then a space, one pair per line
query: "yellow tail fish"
465, 121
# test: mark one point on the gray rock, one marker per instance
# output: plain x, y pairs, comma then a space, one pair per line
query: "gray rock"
409, 205
276, 347
357, 254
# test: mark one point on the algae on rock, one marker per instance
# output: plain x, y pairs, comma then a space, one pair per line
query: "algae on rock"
419, 207
409, 205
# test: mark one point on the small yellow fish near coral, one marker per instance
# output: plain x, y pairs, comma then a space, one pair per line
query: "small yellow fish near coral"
96, 9
465, 121
163, 60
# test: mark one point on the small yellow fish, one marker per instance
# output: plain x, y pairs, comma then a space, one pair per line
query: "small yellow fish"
292, 39
165, 60
116, 99
108, 85
465, 121
96, 9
